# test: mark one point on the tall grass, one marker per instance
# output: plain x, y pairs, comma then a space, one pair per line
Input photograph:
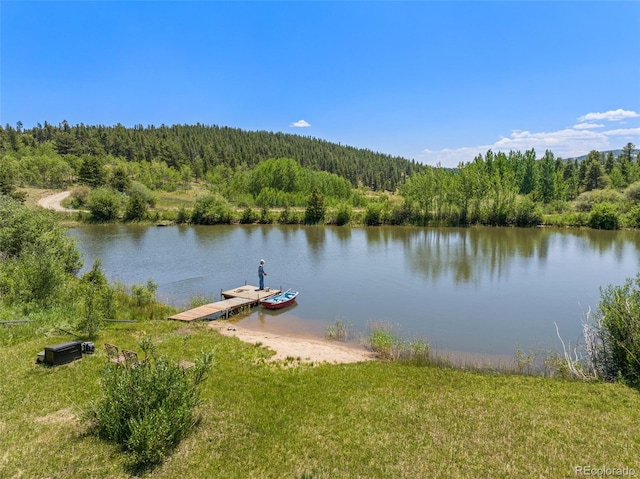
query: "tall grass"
372, 419
386, 342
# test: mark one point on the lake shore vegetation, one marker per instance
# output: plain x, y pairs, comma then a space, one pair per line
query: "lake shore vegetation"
247, 416
209, 175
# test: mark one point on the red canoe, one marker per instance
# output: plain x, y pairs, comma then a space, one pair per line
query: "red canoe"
281, 300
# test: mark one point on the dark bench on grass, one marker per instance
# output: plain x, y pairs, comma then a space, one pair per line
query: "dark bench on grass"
63, 353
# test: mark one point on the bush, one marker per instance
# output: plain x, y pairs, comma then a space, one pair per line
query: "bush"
527, 213
587, 200
104, 204
604, 216
248, 216
149, 407
632, 218
343, 214
144, 294
373, 215
632, 193
136, 208
36, 256
211, 209
80, 196
619, 311
401, 213
184, 216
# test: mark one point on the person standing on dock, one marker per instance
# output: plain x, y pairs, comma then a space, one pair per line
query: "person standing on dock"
261, 274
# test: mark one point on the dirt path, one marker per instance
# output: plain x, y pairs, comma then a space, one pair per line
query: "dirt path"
52, 202
305, 350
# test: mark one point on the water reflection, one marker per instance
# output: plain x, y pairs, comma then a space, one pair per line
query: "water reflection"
480, 290
315, 239
469, 255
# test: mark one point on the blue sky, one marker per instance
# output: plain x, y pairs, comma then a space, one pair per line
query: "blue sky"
438, 82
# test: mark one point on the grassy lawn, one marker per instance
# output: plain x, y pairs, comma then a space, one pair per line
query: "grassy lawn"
368, 420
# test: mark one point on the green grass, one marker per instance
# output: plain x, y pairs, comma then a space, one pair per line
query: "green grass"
368, 420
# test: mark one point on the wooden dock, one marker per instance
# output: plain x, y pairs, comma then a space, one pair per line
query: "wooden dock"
234, 299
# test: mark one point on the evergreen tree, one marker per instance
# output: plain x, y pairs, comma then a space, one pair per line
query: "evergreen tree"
546, 186
595, 177
92, 172
315, 211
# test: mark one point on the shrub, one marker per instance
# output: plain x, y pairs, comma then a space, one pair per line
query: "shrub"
265, 217
36, 256
248, 216
401, 213
144, 294
632, 218
587, 200
104, 204
80, 196
184, 216
136, 208
632, 193
343, 214
619, 312
211, 209
149, 407
604, 216
149, 197
527, 213
373, 215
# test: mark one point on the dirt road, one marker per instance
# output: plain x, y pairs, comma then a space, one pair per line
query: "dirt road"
53, 202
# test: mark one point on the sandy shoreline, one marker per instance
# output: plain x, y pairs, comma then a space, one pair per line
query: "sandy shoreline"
308, 350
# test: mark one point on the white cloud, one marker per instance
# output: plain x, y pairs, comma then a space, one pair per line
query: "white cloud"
300, 124
623, 132
611, 115
566, 143
587, 126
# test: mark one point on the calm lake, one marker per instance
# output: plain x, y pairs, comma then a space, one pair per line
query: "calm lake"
476, 291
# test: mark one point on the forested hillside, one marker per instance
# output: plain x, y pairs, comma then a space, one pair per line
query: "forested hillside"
203, 147
116, 172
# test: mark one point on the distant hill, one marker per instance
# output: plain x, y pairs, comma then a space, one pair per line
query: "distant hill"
204, 147
616, 153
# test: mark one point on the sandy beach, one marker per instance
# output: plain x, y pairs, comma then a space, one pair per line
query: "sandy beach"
307, 350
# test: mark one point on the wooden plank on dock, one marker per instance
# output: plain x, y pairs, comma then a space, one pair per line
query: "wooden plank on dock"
250, 292
243, 296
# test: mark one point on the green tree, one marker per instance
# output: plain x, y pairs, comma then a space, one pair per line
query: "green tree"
609, 163
528, 172
136, 207
96, 300
546, 186
595, 176
120, 180
92, 172
627, 151
8, 173
315, 211
35, 254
